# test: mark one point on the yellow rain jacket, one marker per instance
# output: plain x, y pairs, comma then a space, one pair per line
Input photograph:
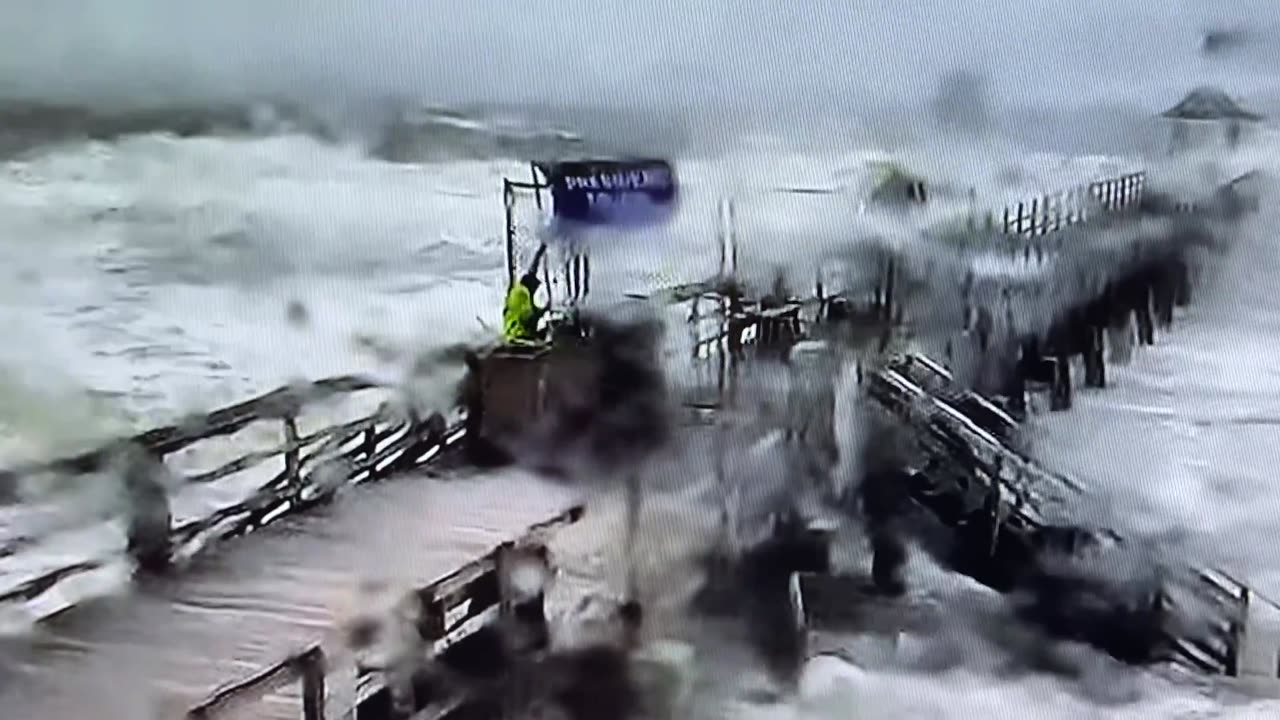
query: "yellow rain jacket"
519, 319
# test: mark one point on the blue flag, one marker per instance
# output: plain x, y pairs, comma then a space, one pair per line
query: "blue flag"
612, 192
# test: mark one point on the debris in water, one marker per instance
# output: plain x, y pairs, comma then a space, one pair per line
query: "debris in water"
297, 314
380, 350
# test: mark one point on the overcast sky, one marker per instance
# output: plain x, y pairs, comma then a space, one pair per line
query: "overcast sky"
664, 51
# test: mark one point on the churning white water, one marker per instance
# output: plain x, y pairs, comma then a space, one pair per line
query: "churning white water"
153, 275
162, 270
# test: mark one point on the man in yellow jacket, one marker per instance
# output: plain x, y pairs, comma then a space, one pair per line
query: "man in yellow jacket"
519, 315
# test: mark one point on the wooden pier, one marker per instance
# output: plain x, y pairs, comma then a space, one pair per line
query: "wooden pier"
1008, 515
313, 466
478, 610
965, 468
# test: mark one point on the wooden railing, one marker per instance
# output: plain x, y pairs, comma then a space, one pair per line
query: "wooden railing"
315, 464
308, 666
1208, 612
281, 403
1051, 213
454, 607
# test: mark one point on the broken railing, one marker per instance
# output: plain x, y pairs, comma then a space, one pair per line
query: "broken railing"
454, 608
1238, 631
1024, 488
313, 465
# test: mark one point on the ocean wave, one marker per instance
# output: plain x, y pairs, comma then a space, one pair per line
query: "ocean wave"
414, 135
393, 130
30, 124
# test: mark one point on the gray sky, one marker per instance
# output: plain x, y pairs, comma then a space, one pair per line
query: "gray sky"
766, 52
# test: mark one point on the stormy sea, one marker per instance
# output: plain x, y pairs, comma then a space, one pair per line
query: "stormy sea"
201, 203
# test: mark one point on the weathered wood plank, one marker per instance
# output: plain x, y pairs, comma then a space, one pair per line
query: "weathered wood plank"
451, 592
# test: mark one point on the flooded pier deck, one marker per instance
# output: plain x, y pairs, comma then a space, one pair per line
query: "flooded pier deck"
246, 605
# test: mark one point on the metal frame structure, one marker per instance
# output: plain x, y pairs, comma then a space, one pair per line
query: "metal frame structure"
577, 270
509, 187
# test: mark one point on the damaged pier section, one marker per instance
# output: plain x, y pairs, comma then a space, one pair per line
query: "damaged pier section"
950, 468
946, 469
1012, 529
1008, 523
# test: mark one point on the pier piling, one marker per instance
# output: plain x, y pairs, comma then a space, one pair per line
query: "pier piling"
1095, 368
147, 507
1142, 308
1060, 394
313, 685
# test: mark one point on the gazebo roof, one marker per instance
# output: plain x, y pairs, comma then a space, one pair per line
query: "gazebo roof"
1209, 103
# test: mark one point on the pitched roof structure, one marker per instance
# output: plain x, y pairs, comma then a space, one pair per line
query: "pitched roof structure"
1209, 103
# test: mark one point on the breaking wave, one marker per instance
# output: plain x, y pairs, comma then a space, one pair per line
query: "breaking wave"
393, 130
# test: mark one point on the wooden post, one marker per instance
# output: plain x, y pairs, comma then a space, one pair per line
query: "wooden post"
888, 291
984, 324
722, 485
570, 270
537, 190
733, 240
1094, 364
1182, 286
370, 448
1163, 295
546, 281
1164, 307
313, 690
508, 201
736, 329
149, 514
1060, 395
1017, 393
722, 371
1100, 354
523, 608
634, 499
724, 239
292, 453
1146, 328
1237, 635
887, 559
